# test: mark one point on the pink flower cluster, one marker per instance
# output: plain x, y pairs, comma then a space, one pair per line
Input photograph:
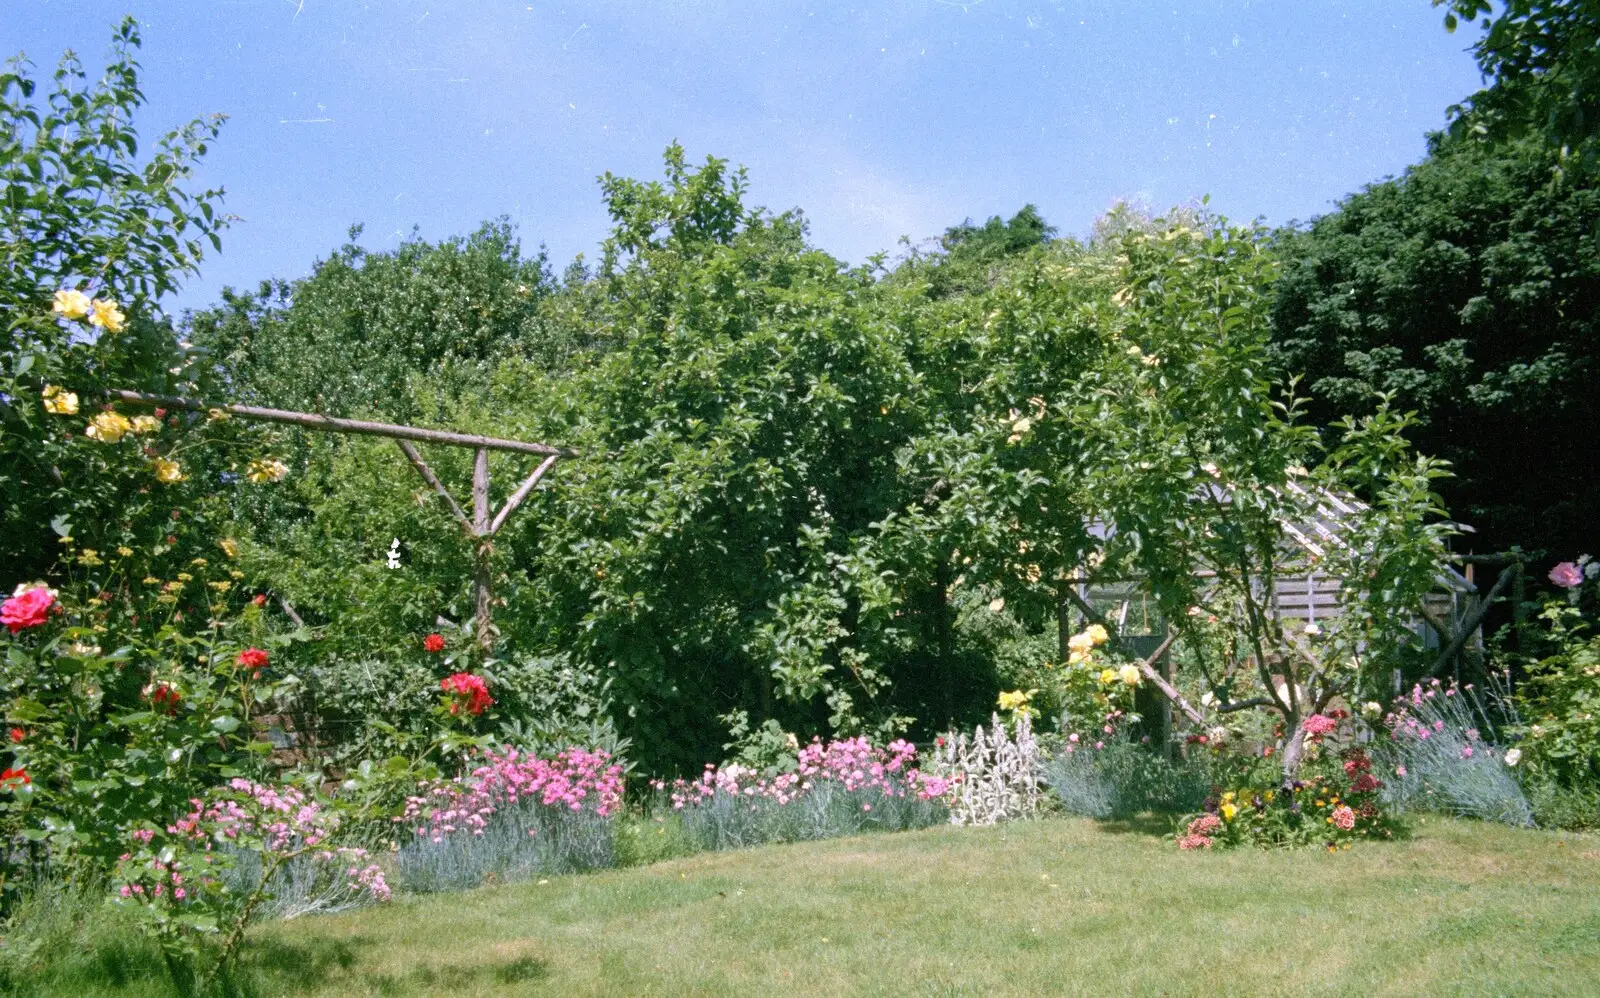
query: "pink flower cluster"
851, 763
279, 821
1319, 724
575, 779
1198, 835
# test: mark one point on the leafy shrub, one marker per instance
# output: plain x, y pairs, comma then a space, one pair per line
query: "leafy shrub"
1559, 699
1122, 779
1442, 755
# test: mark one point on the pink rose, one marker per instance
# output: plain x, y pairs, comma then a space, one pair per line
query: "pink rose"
28, 608
1567, 575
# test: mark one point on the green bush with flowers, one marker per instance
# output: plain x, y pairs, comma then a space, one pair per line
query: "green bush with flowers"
1334, 802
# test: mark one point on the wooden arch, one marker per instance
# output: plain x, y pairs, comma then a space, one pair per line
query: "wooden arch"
481, 526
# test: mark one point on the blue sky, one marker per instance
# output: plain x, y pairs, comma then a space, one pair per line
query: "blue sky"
880, 119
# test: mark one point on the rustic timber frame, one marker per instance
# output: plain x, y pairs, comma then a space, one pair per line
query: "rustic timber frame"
480, 527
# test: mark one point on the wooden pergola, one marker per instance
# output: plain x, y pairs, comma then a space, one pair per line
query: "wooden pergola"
481, 526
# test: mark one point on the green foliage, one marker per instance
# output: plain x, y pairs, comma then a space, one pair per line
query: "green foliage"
1559, 702
80, 211
1542, 58
1468, 290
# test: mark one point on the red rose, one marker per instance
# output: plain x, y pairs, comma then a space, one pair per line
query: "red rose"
260, 600
10, 779
17, 734
467, 690
161, 414
433, 642
253, 658
28, 608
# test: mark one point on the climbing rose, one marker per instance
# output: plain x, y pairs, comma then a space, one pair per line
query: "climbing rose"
464, 686
28, 607
253, 658
1567, 575
433, 642
70, 303
105, 313
17, 734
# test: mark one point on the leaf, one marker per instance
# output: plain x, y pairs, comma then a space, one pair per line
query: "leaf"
226, 724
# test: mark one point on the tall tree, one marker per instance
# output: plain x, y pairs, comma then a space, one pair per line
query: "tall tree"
1468, 288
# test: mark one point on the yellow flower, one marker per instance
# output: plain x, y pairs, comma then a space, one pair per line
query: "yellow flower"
60, 401
1269, 795
229, 546
185, 577
263, 470
71, 303
1108, 676
221, 586
167, 472
1129, 674
1077, 657
107, 315
108, 427
89, 557
199, 562
145, 424
1015, 700
125, 552
213, 415
1097, 634
151, 580
1081, 643
1230, 795
1228, 811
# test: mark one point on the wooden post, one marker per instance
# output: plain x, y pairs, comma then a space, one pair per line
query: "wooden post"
481, 549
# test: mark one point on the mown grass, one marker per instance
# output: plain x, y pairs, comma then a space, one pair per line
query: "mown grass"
1048, 907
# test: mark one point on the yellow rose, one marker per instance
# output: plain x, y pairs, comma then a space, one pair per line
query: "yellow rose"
229, 546
1081, 642
71, 303
108, 427
168, 472
1097, 634
1129, 674
1015, 700
265, 470
1108, 676
145, 424
107, 315
60, 401
1228, 811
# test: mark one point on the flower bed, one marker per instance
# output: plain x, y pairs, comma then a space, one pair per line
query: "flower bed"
844, 787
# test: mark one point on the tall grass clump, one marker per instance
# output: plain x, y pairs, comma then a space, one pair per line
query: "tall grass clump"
67, 937
1441, 755
846, 787
514, 817
1119, 779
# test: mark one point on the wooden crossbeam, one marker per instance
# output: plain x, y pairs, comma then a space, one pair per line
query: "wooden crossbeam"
479, 526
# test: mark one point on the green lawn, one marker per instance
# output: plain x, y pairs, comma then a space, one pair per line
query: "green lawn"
1041, 908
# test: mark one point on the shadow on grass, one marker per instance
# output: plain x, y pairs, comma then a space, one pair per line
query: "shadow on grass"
274, 967
443, 980
1150, 824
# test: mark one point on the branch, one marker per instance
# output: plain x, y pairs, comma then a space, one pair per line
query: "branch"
1474, 619
1167, 689
315, 421
521, 493
1229, 708
428, 476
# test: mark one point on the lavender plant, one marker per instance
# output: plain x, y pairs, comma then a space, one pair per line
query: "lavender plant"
1442, 753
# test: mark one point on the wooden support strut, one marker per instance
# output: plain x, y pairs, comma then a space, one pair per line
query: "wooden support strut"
479, 526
